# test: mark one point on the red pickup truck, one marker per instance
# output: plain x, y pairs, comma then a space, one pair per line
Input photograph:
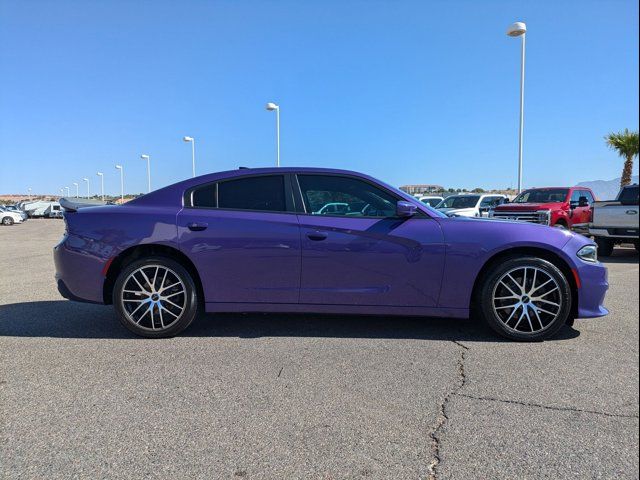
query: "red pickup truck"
561, 207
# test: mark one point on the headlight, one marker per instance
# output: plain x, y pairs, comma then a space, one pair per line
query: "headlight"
544, 216
588, 253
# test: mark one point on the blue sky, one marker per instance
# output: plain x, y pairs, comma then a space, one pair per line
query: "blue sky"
410, 92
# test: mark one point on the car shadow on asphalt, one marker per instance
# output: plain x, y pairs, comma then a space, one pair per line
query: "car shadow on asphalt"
66, 319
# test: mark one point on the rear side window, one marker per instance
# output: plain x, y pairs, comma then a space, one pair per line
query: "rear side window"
629, 196
264, 193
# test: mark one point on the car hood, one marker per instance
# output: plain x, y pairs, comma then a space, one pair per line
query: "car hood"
528, 207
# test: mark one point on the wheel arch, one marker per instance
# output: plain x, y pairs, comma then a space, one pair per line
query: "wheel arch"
137, 252
545, 254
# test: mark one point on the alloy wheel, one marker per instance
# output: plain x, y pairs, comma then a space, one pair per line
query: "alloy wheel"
527, 300
153, 297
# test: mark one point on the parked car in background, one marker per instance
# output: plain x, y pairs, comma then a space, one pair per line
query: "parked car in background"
335, 208
10, 217
16, 209
554, 206
252, 240
470, 205
615, 222
431, 200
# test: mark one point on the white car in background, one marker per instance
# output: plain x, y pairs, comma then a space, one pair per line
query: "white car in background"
9, 217
430, 200
470, 205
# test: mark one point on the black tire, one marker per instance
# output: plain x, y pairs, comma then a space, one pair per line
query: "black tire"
7, 221
542, 325
561, 225
149, 326
605, 247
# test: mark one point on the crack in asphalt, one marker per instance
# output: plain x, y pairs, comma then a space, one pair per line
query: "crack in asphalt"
443, 417
545, 407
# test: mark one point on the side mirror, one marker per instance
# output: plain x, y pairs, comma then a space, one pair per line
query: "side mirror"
405, 209
583, 202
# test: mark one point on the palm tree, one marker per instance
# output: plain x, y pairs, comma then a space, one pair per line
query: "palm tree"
626, 144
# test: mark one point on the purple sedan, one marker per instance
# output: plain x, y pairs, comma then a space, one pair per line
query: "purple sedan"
264, 240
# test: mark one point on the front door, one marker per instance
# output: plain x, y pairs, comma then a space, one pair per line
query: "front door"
244, 239
364, 254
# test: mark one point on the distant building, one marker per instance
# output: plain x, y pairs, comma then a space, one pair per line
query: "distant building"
420, 189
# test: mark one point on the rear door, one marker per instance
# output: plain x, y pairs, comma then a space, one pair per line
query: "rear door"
365, 255
243, 236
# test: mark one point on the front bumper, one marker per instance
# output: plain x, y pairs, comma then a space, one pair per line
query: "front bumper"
592, 279
594, 283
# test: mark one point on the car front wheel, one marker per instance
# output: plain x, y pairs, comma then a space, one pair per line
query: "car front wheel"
525, 299
155, 297
7, 221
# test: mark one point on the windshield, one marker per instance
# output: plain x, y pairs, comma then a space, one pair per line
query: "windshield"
460, 201
547, 195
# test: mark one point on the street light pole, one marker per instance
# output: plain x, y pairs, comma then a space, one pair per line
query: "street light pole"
274, 107
68, 192
101, 175
88, 189
193, 153
77, 189
519, 29
147, 158
119, 167
29, 189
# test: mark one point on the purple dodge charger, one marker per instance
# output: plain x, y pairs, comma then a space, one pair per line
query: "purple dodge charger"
322, 241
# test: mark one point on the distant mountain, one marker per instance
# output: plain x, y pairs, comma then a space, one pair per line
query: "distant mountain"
606, 189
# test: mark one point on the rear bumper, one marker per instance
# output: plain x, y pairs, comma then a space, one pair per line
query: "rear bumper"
78, 273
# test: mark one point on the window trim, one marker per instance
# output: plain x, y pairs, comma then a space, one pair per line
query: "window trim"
303, 211
286, 184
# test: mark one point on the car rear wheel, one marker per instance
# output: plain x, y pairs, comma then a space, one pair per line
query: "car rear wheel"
605, 247
7, 221
155, 297
525, 299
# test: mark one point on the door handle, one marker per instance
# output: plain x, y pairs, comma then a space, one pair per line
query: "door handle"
197, 226
317, 236
631, 212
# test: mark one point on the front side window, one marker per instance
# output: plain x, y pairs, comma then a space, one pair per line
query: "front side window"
460, 201
345, 196
263, 193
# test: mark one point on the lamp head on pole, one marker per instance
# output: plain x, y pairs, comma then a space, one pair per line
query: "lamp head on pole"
516, 29
187, 139
144, 157
272, 106
99, 174
85, 179
119, 167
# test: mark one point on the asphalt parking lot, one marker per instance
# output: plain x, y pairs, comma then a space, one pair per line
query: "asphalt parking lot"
298, 396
